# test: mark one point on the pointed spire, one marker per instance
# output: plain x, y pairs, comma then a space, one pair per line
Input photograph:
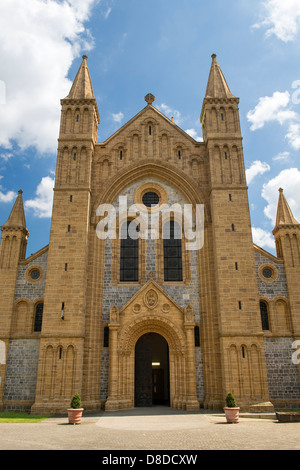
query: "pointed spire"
217, 86
17, 215
82, 86
284, 213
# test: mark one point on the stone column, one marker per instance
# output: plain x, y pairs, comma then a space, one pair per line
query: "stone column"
191, 395
112, 402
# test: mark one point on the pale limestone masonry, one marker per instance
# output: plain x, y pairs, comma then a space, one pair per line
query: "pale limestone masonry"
69, 323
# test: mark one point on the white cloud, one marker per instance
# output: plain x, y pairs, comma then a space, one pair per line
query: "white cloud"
293, 135
38, 43
107, 13
281, 157
118, 117
42, 203
281, 18
263, 238
271, 108
257, 168
289, 180
276, 108
7, 197
170, 112
193, 133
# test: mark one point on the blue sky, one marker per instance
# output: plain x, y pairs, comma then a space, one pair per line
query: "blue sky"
135, 47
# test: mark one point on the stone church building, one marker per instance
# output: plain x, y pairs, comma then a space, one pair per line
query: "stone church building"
145, 320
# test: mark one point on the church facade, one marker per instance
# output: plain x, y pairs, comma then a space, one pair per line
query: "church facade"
121, 307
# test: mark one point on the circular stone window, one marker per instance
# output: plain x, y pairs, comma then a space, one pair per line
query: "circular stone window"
150, 199
35, 274
267, 273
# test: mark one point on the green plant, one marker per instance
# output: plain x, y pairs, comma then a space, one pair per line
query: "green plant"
230, 400
76, 401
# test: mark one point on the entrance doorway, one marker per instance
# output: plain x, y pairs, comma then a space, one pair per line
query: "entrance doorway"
152, 385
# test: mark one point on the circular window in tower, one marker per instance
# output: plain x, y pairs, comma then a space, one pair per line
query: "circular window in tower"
150, 199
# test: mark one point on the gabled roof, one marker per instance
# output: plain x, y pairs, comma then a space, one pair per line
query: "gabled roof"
156, 113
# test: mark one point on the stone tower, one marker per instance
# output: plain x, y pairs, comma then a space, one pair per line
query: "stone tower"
243, 369
287, 239
12, 251
61, 357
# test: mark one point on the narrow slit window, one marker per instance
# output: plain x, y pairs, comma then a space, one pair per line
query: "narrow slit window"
264, 313
179, 154
60, 353
150, 130
121, 154
66, 266
230, 197
69, 228
197, 336
106, 337
71, 198
74, 156
38, 317
233, 227
225, 153
240, 305
236, 266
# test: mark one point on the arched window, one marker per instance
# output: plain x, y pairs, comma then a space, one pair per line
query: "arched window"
264, 315
38, 317
172, 251
129, 256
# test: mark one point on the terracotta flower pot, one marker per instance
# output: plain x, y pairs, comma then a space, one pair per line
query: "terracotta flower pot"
74, 415
232, 414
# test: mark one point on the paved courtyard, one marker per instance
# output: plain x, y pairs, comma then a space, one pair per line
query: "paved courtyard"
150, 429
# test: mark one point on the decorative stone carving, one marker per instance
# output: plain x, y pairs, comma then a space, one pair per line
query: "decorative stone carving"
114, 315
137, 308
151, 298
166, 308
188, 314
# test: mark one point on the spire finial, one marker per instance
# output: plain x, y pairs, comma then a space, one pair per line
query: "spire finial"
214, 56
84, 57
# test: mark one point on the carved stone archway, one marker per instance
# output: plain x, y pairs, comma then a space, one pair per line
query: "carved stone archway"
125, 330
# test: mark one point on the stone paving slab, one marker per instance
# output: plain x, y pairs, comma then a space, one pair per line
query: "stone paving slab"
159, 429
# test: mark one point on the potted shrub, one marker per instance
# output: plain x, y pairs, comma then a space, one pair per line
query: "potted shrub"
75, 410
231, 409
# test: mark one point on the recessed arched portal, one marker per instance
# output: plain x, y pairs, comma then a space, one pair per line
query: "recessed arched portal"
151, 371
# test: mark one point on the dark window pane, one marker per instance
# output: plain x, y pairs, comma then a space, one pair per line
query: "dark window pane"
38, 317
150, 199
264, 316
129, 256
106, 337
172, 252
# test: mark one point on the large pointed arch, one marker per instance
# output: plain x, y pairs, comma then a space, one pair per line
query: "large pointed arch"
164, 171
